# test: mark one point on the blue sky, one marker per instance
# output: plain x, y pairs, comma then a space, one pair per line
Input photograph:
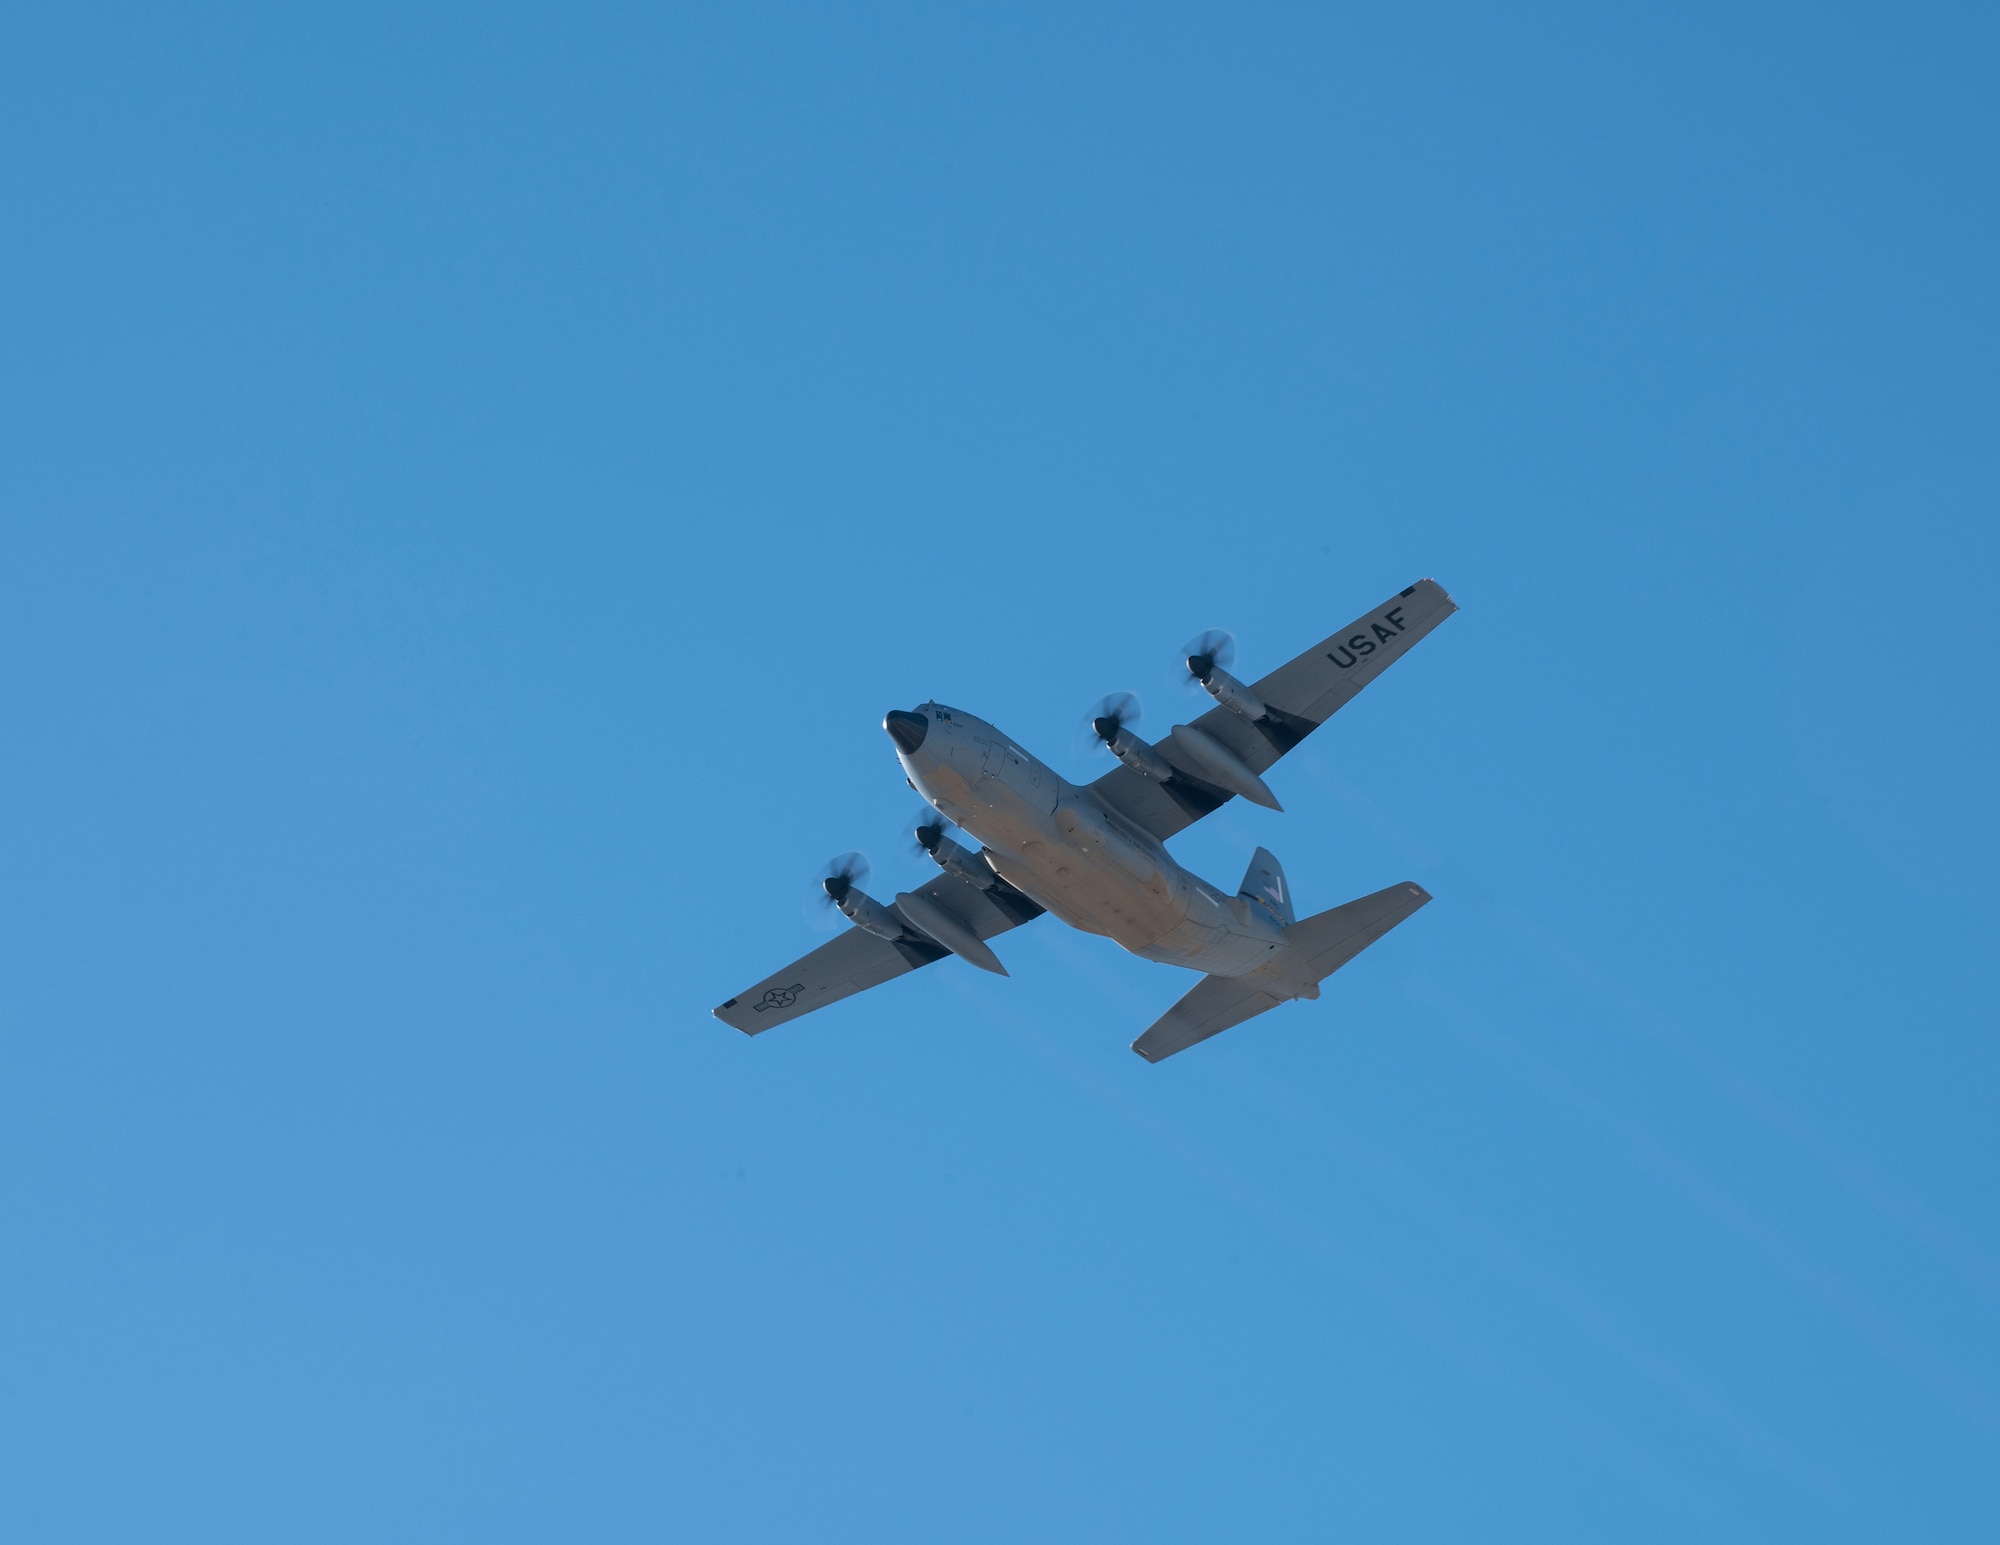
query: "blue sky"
471, 481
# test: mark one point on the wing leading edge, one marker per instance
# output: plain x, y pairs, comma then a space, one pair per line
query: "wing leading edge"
857, 960
1301, 696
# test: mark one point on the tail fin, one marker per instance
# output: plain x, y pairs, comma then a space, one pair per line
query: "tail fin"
1264, 886
1314, 950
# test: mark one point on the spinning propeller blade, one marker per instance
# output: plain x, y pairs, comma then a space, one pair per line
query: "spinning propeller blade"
1205, 651
1113, 712
927, 829
836, 877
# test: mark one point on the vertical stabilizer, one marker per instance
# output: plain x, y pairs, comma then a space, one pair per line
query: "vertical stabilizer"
1264, 885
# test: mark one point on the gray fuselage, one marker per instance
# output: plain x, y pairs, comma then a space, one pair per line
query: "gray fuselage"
1065, 849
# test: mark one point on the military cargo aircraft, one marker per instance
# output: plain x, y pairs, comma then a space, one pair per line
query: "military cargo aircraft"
1095, 856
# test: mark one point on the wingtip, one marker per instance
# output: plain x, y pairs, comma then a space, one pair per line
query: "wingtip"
741, 1029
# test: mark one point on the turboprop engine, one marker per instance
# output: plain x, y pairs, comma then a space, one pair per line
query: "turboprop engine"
1186, 747
929, 831
913, 917
1206, 657
842, 884
1111, 721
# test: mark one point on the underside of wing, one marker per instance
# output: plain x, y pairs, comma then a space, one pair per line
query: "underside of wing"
1298, 696
858, 960
838, 969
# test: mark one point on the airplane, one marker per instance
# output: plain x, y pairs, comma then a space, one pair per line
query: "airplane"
1095, 856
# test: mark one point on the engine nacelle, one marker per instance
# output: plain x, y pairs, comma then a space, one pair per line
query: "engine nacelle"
1139, 756
1232, 694
865, 912
963, 864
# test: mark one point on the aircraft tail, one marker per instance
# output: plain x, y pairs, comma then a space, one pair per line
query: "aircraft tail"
1264, 887
1315, 948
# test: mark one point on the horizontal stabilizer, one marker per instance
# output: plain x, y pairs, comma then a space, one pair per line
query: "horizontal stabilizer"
1214, 1004
1315, 948
1318, 946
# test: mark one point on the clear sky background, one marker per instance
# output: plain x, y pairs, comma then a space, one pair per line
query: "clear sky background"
474, 479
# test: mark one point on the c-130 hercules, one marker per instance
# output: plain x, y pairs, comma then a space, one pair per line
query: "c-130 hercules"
1096, 857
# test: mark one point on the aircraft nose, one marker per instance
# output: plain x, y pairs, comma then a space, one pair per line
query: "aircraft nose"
907, 730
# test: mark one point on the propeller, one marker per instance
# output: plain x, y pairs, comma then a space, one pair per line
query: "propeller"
841, 875
927, 829
1207, 650
836, 877
1114, 712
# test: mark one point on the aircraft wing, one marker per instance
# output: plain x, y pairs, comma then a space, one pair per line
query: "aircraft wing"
1301, 696
857, 959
